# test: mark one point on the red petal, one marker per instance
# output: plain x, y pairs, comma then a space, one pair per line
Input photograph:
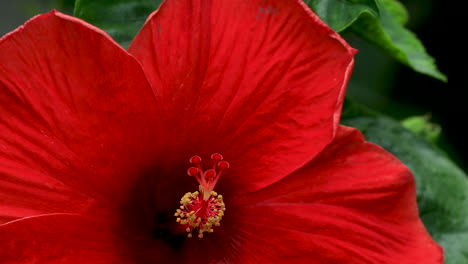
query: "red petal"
261, 82
78, 120
355, 203
68, 238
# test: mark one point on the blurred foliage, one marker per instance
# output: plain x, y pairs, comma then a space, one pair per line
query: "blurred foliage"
341, 14
121, 19
381, 23
442, 187
422, 127
32, 8
387, 33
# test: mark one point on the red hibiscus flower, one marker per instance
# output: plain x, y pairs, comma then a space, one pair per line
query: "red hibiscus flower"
96, 144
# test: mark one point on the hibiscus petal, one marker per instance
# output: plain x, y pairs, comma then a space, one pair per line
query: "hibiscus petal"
354, 203
79, 122
67, 238
261, 82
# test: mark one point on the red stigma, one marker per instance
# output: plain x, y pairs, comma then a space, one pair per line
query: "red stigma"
195, 160
207, 178
192, 171
210, 174
223, 165
204, 209
216, 156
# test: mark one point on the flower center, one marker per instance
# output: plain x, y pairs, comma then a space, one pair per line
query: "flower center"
203, 209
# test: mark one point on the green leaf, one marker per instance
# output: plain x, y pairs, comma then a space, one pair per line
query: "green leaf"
387, 32
422, 127
442, 187
380, 22
352, 109
121, 19
340, 14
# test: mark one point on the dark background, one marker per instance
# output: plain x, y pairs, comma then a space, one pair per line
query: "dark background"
385, 85
378, 81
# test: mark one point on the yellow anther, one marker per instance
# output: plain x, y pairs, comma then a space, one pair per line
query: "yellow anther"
199, 213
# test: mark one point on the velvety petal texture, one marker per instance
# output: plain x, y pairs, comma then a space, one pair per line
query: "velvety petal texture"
354, 203
260, 81
79, 122
62, 239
